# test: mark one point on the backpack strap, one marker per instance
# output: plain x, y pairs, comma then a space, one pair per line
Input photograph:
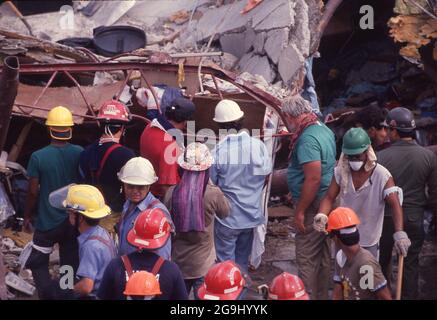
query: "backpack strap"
127, 265
105, 242
158, 265
105, 157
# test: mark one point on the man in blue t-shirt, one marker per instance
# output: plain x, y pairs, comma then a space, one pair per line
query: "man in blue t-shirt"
150, 232
49, 169
312, 161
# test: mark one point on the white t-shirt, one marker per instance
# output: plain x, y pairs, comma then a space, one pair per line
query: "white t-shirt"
368, 202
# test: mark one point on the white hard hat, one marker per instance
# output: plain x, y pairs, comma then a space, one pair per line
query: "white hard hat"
138, 171
227, 111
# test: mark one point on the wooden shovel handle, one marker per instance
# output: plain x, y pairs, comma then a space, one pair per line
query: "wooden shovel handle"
15, 9
399, 279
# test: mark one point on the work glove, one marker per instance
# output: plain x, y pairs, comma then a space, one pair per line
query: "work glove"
402, 243
320, 221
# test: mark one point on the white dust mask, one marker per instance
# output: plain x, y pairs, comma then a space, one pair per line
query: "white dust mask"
356, 165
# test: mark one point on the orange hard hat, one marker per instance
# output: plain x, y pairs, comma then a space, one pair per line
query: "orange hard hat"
223, 281
287, 286
113, 111
151, 230
142, 283
341, 218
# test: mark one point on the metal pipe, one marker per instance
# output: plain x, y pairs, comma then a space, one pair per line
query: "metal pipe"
8, 92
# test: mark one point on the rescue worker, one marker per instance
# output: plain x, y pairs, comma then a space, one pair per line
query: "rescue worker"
224, 281
159, 146
360, 276
49, 169
142, 285
100, 162
86, 206
285, 286
364, 186
312, 161
414, 169
150, 232
373, 120
194, 203
240, 170
137, 175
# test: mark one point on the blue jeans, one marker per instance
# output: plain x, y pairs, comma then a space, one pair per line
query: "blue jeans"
233, 244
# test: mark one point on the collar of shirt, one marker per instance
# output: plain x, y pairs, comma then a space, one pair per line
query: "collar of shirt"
404, 143
85, 235
142, 205
233, 137
155, 124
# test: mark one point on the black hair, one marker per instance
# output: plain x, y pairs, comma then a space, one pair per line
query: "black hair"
403, 135
371, 116
349, 239
236, 125
174, 113
91, 222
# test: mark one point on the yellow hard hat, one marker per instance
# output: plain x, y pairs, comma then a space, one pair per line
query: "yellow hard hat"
87, 200
59, 117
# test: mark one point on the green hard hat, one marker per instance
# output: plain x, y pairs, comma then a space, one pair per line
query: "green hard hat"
355, 141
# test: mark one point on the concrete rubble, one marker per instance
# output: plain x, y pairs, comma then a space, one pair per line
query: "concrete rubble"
19, 280
271, 41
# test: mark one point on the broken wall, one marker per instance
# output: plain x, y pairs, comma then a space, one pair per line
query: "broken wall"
272, 40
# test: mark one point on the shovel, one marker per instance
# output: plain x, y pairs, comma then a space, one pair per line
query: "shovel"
17, 12
19, 15
399, 278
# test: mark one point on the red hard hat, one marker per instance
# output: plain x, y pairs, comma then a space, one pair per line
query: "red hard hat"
151, 230
113, 111
223, 281
287, 286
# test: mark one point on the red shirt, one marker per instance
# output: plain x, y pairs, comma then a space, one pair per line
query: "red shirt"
157, 146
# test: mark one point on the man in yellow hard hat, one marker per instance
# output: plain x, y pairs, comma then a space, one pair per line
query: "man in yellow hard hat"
86, 206
49, 169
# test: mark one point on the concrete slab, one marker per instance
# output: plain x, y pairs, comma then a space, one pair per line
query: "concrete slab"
258, 65
301, 35
280, 17
258, 43
276, 40
290, 61
150, 11
221, 20
231, 43
249, 38
265, 9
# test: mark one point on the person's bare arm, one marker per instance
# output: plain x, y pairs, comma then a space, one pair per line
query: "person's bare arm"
32, 198
329, 198
383, 294
393, 201
337, 292
312, 177
84, 287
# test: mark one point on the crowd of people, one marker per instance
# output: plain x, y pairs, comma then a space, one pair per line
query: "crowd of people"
178, 221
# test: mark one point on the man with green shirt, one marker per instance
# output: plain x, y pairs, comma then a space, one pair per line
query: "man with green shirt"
312, 162
49, 169
414, 169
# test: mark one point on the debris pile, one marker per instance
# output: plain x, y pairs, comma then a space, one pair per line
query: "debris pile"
415, 26
270, 41
15, 277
